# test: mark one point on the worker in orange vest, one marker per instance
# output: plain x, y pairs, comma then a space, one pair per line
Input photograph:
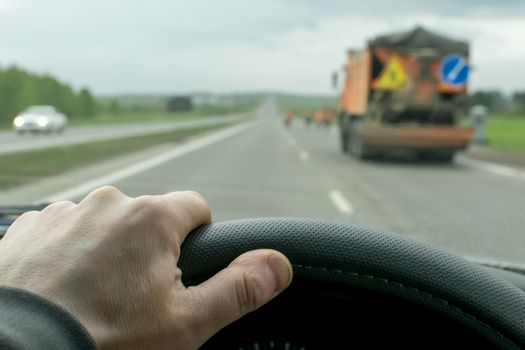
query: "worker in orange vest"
328, 117
319, 116
288, 118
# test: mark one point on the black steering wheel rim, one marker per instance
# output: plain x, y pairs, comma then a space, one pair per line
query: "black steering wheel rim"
358, 256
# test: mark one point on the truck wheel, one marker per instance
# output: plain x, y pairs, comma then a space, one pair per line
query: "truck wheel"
344, 142
437, 156
445, 157
357, 149
344, 133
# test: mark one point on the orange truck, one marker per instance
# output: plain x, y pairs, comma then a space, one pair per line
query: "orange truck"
406, 91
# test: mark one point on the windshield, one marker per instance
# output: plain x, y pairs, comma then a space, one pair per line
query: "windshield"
406, 116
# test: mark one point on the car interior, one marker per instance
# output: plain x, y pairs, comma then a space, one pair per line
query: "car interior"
357, 286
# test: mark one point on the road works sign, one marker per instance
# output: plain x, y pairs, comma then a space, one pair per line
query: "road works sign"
393, 76
454, 70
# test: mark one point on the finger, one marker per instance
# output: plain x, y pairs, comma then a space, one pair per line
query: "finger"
58, 207
103, 196
186, 210
22, 220
247, 283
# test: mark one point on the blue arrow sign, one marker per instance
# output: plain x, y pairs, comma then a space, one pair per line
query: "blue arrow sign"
454, 70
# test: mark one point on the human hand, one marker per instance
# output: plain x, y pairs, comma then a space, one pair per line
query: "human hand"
111, 260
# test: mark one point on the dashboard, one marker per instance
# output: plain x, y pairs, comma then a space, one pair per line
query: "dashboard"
356, 287
328, 316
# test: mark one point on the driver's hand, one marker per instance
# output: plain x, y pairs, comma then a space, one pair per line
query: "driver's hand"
111, 260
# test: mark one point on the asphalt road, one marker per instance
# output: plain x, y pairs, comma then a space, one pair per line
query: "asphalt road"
269, 170
10, 142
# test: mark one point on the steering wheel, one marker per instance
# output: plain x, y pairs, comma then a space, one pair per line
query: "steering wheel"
358, 286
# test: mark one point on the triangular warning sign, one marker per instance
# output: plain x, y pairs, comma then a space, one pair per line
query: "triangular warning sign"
393, 76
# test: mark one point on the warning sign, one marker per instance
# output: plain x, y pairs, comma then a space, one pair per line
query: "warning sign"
392, 77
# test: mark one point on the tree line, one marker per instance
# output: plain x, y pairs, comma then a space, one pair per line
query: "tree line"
20, 89
496, 101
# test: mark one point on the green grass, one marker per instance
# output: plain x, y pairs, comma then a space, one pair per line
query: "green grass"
134, 117
299, 103
137, 117
506, 133
151, 116
24, 167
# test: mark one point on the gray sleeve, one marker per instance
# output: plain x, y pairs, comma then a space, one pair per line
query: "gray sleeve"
28, 321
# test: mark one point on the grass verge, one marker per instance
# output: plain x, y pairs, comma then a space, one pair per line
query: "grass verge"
150, 116
506, 133
133, 117
25, 167
138, 117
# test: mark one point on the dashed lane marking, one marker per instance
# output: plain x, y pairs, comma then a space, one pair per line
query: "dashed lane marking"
304, 156
341, 203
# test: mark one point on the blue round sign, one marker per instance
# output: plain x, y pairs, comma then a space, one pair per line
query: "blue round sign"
454, 70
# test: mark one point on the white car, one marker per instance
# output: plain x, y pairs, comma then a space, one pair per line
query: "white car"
45, 119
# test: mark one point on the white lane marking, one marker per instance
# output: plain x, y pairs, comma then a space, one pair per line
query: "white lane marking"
491, 167
303, 155
341, 203
147, 164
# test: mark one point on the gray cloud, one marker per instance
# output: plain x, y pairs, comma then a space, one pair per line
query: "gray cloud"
385, 8
165, 45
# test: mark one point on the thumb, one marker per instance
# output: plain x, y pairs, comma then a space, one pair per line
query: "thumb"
247, 283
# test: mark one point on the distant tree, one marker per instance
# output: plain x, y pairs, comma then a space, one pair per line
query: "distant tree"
67, 101
518, 99
20, 89
179, 104
49, 90
494, 100
86, 103
11, 82
28, 94
114, 107
137, 107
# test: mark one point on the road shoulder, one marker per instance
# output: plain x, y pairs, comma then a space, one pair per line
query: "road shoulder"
487, 154
30, 193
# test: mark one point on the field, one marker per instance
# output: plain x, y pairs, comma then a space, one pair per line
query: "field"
299, 103
506, 133
135, 109
155, 116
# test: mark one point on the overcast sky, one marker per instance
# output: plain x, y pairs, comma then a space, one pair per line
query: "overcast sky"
167, 46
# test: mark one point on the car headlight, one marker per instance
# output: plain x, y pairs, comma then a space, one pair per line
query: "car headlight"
42, 121
19, 121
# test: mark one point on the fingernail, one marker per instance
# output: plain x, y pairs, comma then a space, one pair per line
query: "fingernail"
282, 271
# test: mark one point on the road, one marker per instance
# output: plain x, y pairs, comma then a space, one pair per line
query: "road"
264, 169
10, 142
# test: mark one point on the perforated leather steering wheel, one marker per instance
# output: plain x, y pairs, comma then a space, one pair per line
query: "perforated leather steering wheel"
371, 278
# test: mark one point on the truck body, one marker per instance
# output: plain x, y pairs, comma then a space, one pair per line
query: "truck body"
406, 91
